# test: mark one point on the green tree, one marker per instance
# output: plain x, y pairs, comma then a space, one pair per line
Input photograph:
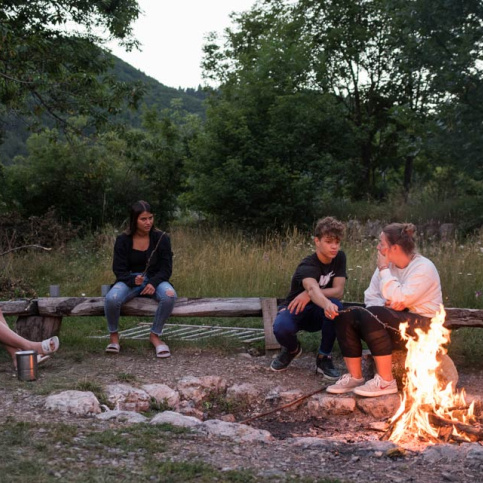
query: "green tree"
51, 61
379, 68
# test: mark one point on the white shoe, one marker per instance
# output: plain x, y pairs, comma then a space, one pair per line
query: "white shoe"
377, 387
346, 383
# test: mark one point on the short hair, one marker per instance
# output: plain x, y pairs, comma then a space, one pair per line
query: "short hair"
329, 226
136, 209
402, 234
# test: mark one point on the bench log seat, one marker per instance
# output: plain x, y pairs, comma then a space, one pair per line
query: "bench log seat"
41, 318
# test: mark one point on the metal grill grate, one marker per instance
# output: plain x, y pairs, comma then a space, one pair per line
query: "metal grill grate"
194, 332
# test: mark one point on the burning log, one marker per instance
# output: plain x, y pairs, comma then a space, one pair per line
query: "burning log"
473, 433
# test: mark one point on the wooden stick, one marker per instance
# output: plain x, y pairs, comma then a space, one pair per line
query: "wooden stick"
464, 428
281, 407
25, 246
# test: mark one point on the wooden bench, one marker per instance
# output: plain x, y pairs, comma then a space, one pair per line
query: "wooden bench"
41, 318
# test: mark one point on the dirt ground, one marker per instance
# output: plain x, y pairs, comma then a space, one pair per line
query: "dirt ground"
343, 450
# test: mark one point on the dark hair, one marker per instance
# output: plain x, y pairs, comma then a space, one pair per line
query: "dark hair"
136, 209
329, 226
401, 234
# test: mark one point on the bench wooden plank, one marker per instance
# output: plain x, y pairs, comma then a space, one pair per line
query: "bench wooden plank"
185, 307
19, 307
459, 318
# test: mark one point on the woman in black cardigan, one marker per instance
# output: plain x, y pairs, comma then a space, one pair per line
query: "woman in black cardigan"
142, 263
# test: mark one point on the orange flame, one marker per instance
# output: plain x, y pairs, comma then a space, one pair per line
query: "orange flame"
423, 393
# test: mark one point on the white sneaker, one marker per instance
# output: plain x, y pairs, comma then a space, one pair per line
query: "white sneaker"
346, 383
377, 387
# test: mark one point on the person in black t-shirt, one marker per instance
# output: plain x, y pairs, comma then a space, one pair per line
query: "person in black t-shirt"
314, 300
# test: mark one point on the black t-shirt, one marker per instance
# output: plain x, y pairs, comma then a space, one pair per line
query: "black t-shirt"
312, 267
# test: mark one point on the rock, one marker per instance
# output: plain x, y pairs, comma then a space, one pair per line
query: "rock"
187, 408
375, 447
447, 372
443, 453
474, 456
447, 231
198, 389
127, 398
319, 405
162, 394
273, 397
242, 392
238, 432
122, 416
75, 402
379, 407
319, 443
354, 230
287, 397
176, 419
229, 418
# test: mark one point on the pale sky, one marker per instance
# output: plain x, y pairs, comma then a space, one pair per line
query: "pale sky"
172, 34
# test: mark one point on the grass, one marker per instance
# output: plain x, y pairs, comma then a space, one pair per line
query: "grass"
45, 453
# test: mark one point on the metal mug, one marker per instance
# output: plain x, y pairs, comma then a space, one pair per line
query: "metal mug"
27, 365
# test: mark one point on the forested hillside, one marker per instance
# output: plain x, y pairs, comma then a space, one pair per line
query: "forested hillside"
157, 96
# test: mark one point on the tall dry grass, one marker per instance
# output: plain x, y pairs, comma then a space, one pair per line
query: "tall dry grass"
217, 263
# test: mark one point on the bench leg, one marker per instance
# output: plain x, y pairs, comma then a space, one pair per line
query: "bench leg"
38, 328
269, 312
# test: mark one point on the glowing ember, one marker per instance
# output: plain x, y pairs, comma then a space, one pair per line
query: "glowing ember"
428, 410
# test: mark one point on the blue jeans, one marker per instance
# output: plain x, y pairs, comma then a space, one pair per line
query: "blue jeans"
311, 319
120, 293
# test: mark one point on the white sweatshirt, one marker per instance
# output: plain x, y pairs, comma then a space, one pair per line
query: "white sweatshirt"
417, 286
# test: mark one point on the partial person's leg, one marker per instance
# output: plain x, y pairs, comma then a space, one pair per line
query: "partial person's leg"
314, 319
166, 295
119, 294
10, 349
348, 332
328, 334
379, 328
11, 339
285, 328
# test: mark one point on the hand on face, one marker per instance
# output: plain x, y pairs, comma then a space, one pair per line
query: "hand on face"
382, 260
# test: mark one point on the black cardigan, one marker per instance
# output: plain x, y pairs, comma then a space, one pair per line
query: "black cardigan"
160, 266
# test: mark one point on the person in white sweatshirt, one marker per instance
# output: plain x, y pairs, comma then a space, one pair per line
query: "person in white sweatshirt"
405, 287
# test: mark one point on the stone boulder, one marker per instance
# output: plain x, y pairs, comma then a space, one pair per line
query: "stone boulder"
199, 389
235, 431
176, 419
319, 405
75, 402
122, 417
162, 394
127, 398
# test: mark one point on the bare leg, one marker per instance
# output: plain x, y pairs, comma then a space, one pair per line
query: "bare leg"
354, 366
155, 340
11, 350
13, 342
384, 367
114, 337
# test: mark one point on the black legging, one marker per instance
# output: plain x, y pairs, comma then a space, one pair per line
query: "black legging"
361, 323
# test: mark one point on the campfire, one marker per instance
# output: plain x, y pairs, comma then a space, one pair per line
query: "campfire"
429, 411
